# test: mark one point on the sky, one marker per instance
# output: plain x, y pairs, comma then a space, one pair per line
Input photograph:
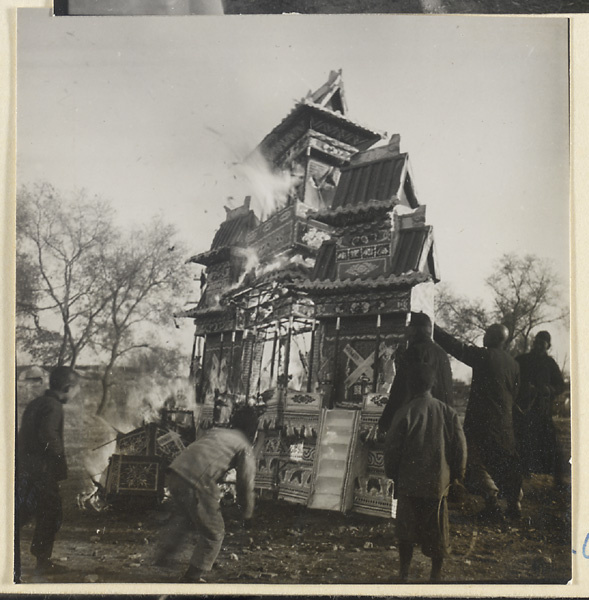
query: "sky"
152, 113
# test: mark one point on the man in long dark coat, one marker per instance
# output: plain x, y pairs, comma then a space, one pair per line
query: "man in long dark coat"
41, 465
493, 462
541, 381
419, 335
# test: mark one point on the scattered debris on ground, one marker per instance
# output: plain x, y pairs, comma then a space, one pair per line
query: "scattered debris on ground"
291, 544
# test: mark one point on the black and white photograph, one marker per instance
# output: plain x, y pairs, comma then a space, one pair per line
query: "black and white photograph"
292, 301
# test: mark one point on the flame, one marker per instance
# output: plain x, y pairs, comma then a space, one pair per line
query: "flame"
150, 394
251, 263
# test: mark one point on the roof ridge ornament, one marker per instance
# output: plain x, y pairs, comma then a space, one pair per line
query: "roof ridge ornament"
330, 95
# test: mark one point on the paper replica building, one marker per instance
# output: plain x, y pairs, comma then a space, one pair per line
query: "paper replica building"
136, 470
305, 307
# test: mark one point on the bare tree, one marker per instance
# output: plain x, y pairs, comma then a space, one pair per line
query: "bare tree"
83, 283
59, 295
464, 318
146, 277
525, 294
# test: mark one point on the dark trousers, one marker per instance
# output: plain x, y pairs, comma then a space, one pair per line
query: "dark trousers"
38, 498
538, 444
492, 470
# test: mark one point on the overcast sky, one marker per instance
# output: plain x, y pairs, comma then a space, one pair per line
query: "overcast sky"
151, 113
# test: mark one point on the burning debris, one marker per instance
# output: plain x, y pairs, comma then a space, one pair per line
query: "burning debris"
135, 473
130, 466
136, 469
93, 500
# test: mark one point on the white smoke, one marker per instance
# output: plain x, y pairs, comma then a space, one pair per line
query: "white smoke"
269, 188
147, 397
247, 173
143, 404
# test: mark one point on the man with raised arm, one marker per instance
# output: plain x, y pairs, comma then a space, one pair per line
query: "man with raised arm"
493, 463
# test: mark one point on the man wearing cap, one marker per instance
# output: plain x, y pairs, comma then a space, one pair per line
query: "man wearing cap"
541, 383
419, 337
493, 463
425, 451
41, 466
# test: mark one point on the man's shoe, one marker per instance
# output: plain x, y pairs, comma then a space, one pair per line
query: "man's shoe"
192, 575
48, 567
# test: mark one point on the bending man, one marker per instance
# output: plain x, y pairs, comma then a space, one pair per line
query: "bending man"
193, 483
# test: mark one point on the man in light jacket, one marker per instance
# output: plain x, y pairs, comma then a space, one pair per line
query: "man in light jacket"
193, 483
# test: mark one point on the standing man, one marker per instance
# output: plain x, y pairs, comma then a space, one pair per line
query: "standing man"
41, 465
493, 463
419, 337
425, 451
541, 383
193, 483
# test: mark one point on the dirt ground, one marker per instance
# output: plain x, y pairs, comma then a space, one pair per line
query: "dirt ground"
406, 6
293, 545
290, 544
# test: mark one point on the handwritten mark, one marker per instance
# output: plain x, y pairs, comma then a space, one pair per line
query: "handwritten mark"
585, 550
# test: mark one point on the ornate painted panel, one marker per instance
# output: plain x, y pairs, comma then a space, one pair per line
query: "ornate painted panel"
271, 450
170, 445
273, 236
345, 303
375, 402
294, 481
136, 476
267, 472
221, 319
373, 495
141, 441
302, 401
311, 234
359, 269
299, 423
215, 367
